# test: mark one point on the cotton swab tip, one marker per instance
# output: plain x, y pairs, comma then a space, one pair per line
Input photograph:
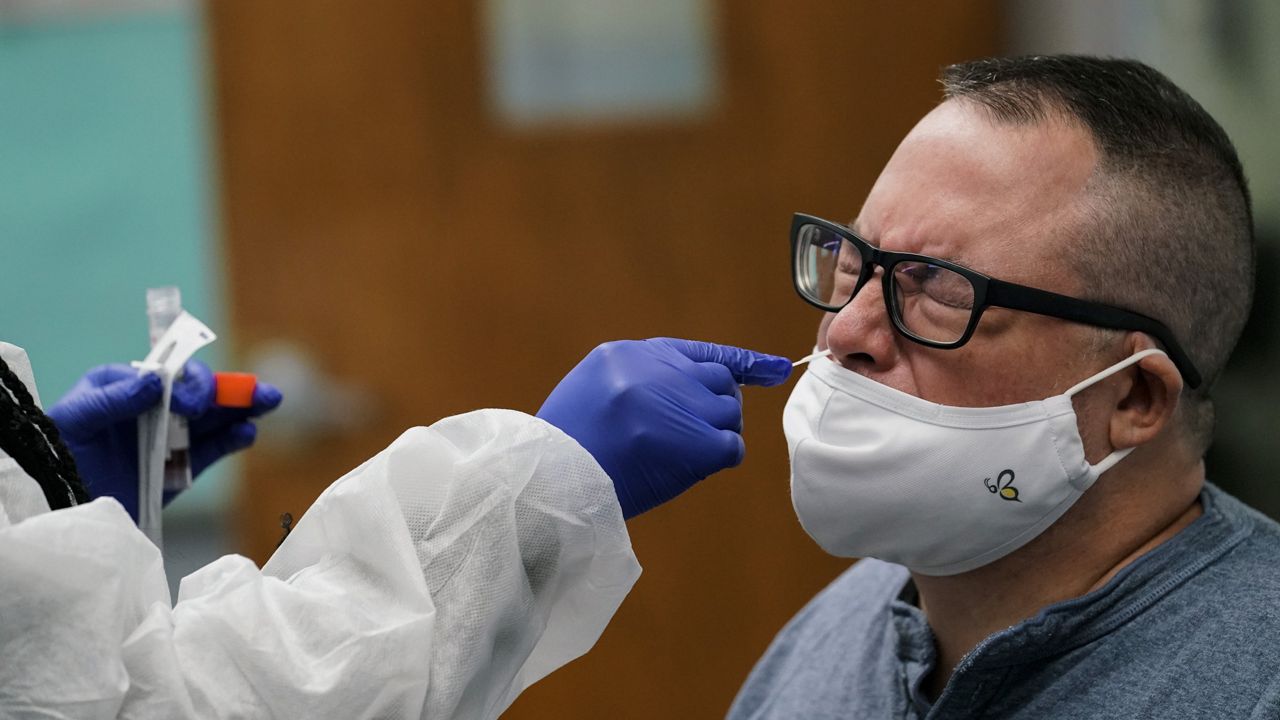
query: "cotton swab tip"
809, 358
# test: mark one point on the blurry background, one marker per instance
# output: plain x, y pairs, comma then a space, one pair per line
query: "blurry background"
402, 210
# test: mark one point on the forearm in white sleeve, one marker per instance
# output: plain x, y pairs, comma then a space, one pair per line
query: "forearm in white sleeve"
437, 580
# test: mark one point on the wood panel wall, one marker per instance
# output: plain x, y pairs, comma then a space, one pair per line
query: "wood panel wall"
376, 212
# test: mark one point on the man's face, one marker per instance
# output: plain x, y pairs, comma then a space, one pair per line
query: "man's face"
1000, 199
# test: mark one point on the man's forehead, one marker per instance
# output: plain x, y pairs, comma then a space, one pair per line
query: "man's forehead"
979, 192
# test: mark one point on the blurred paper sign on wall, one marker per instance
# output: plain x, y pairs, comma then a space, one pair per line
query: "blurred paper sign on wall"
555, 62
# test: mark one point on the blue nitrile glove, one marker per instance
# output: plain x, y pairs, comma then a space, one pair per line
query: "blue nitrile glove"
659, 415
98, 421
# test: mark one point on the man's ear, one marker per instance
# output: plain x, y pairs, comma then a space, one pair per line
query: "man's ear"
1147, 403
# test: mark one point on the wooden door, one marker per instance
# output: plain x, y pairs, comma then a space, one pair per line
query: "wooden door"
376, 212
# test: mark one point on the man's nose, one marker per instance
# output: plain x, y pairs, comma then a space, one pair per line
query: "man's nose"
861, 335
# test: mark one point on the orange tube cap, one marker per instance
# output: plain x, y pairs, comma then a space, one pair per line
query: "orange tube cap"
234, 389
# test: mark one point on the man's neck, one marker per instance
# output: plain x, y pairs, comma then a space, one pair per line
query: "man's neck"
1080, 553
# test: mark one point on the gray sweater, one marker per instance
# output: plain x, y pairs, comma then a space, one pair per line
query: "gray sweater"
1189, 630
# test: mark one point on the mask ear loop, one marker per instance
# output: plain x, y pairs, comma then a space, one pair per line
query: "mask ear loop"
1113, 370
1116, 456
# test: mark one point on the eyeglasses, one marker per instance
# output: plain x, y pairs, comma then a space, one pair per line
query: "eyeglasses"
935, 302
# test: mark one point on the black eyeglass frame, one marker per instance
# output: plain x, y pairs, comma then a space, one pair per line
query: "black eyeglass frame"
987, 292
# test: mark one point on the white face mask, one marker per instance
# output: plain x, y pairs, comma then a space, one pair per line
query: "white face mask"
876, 472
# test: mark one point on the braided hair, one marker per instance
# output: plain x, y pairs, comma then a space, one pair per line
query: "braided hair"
32, 440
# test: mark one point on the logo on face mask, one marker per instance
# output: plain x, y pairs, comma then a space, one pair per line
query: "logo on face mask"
1003, 486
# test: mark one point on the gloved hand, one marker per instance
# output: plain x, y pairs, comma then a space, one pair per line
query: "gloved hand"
659, 415
98, 421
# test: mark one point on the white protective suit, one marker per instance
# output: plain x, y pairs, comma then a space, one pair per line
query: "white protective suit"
437, 580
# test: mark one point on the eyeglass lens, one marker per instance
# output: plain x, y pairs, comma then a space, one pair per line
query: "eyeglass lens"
930, 301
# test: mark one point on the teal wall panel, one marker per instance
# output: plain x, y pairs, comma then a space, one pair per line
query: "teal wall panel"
106, 188
105, 178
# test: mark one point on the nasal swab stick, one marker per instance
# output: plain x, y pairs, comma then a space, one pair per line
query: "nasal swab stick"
815, 356
807, 358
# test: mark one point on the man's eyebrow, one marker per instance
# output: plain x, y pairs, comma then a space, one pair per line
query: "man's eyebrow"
959, 259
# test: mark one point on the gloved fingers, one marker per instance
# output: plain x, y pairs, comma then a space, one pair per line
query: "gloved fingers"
107, 374
98, 377
748, 366
208, 449
715, 377
217, 419
734, 448
722, 413
193, 390
85, 411
266, 397
723, 449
